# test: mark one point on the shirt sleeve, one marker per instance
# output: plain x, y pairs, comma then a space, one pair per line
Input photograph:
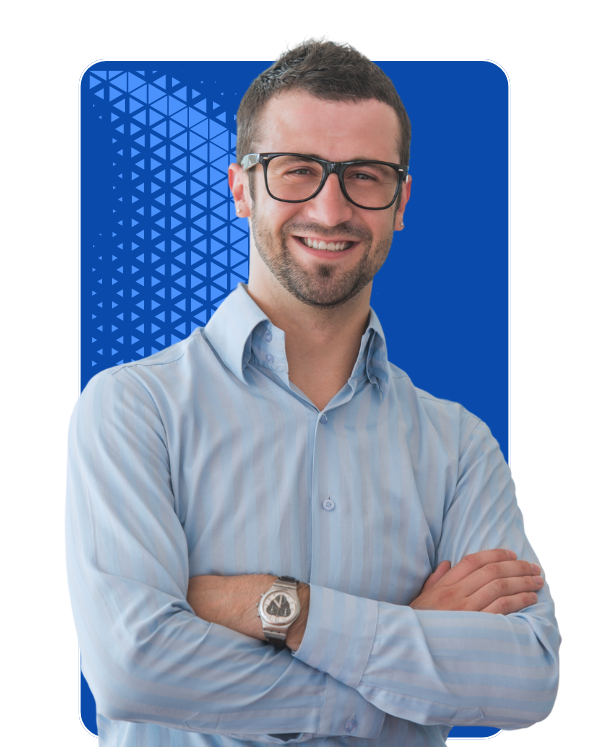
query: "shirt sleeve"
145, 654
443, 667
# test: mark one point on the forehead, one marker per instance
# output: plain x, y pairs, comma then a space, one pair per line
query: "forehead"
335, 130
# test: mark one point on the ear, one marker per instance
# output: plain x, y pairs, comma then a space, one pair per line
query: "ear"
405, 194
239, 186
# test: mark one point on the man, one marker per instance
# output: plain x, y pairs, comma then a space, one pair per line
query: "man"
273, 535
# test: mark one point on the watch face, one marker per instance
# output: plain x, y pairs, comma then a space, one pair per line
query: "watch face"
279, 607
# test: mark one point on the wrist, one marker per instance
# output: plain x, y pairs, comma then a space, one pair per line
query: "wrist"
297, 629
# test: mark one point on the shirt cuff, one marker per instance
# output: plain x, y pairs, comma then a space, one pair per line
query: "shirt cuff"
338, 640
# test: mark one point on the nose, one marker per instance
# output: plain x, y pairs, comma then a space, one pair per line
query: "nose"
330, 206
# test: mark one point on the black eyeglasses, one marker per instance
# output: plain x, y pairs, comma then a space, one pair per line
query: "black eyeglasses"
293, 177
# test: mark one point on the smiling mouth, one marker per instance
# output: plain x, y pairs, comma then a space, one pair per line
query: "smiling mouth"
326, 246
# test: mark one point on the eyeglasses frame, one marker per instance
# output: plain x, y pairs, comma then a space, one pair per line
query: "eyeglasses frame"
329, 167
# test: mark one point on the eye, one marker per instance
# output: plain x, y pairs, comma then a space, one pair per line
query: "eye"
362, 176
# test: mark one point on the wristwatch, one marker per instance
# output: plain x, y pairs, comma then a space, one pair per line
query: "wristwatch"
278, 608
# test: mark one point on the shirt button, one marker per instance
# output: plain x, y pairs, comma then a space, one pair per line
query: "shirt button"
351, 725
323, 419
268, 337
328, 505
270, 358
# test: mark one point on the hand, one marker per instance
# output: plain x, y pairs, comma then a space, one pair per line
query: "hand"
487, 581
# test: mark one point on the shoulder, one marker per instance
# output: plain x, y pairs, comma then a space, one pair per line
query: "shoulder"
158, 374
445, 416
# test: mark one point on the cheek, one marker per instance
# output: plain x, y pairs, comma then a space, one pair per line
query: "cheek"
278, 217
382, 241
382, 226
272, 211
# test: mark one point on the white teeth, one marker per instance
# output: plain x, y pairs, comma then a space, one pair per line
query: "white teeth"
330, 247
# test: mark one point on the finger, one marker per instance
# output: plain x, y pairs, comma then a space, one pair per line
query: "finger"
503, 587
440, 571
471, 563
511, 604
496, 571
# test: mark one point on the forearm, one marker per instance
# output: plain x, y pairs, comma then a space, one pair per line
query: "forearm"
146, 655
232, 601
437, 667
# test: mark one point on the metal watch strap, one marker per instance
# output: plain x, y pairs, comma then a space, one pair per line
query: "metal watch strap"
288, 581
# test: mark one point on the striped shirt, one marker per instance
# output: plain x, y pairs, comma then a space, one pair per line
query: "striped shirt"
206, 459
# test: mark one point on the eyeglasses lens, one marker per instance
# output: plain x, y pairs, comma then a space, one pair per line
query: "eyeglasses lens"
368, 184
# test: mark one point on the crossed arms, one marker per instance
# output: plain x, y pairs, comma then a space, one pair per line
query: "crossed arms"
148, 657
491, 581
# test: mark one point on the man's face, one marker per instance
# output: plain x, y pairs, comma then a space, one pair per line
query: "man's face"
282, 232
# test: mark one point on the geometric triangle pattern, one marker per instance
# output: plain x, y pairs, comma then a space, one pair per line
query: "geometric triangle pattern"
167, 247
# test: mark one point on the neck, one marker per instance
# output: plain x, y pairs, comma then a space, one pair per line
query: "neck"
322, 344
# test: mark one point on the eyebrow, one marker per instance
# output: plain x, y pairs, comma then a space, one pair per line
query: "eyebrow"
358, 158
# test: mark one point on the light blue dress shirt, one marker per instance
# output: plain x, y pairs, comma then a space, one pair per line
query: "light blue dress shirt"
205, 459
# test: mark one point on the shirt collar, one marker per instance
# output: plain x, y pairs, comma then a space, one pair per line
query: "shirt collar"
231, 329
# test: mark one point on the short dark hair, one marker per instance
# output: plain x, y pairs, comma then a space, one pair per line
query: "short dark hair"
329, 71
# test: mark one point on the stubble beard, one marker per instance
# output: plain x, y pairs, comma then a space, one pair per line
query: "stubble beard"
325, 286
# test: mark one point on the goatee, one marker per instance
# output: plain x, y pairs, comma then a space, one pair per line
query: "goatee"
325, 286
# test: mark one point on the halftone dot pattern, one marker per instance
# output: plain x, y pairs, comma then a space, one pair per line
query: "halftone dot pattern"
170, 248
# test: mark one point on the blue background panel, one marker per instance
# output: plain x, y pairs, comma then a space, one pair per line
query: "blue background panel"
162, 246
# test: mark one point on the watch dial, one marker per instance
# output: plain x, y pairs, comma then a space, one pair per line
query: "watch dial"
279, 607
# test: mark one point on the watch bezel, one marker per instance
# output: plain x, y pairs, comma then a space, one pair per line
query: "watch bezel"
293, 601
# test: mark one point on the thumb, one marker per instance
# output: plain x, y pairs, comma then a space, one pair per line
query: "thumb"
440, 571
